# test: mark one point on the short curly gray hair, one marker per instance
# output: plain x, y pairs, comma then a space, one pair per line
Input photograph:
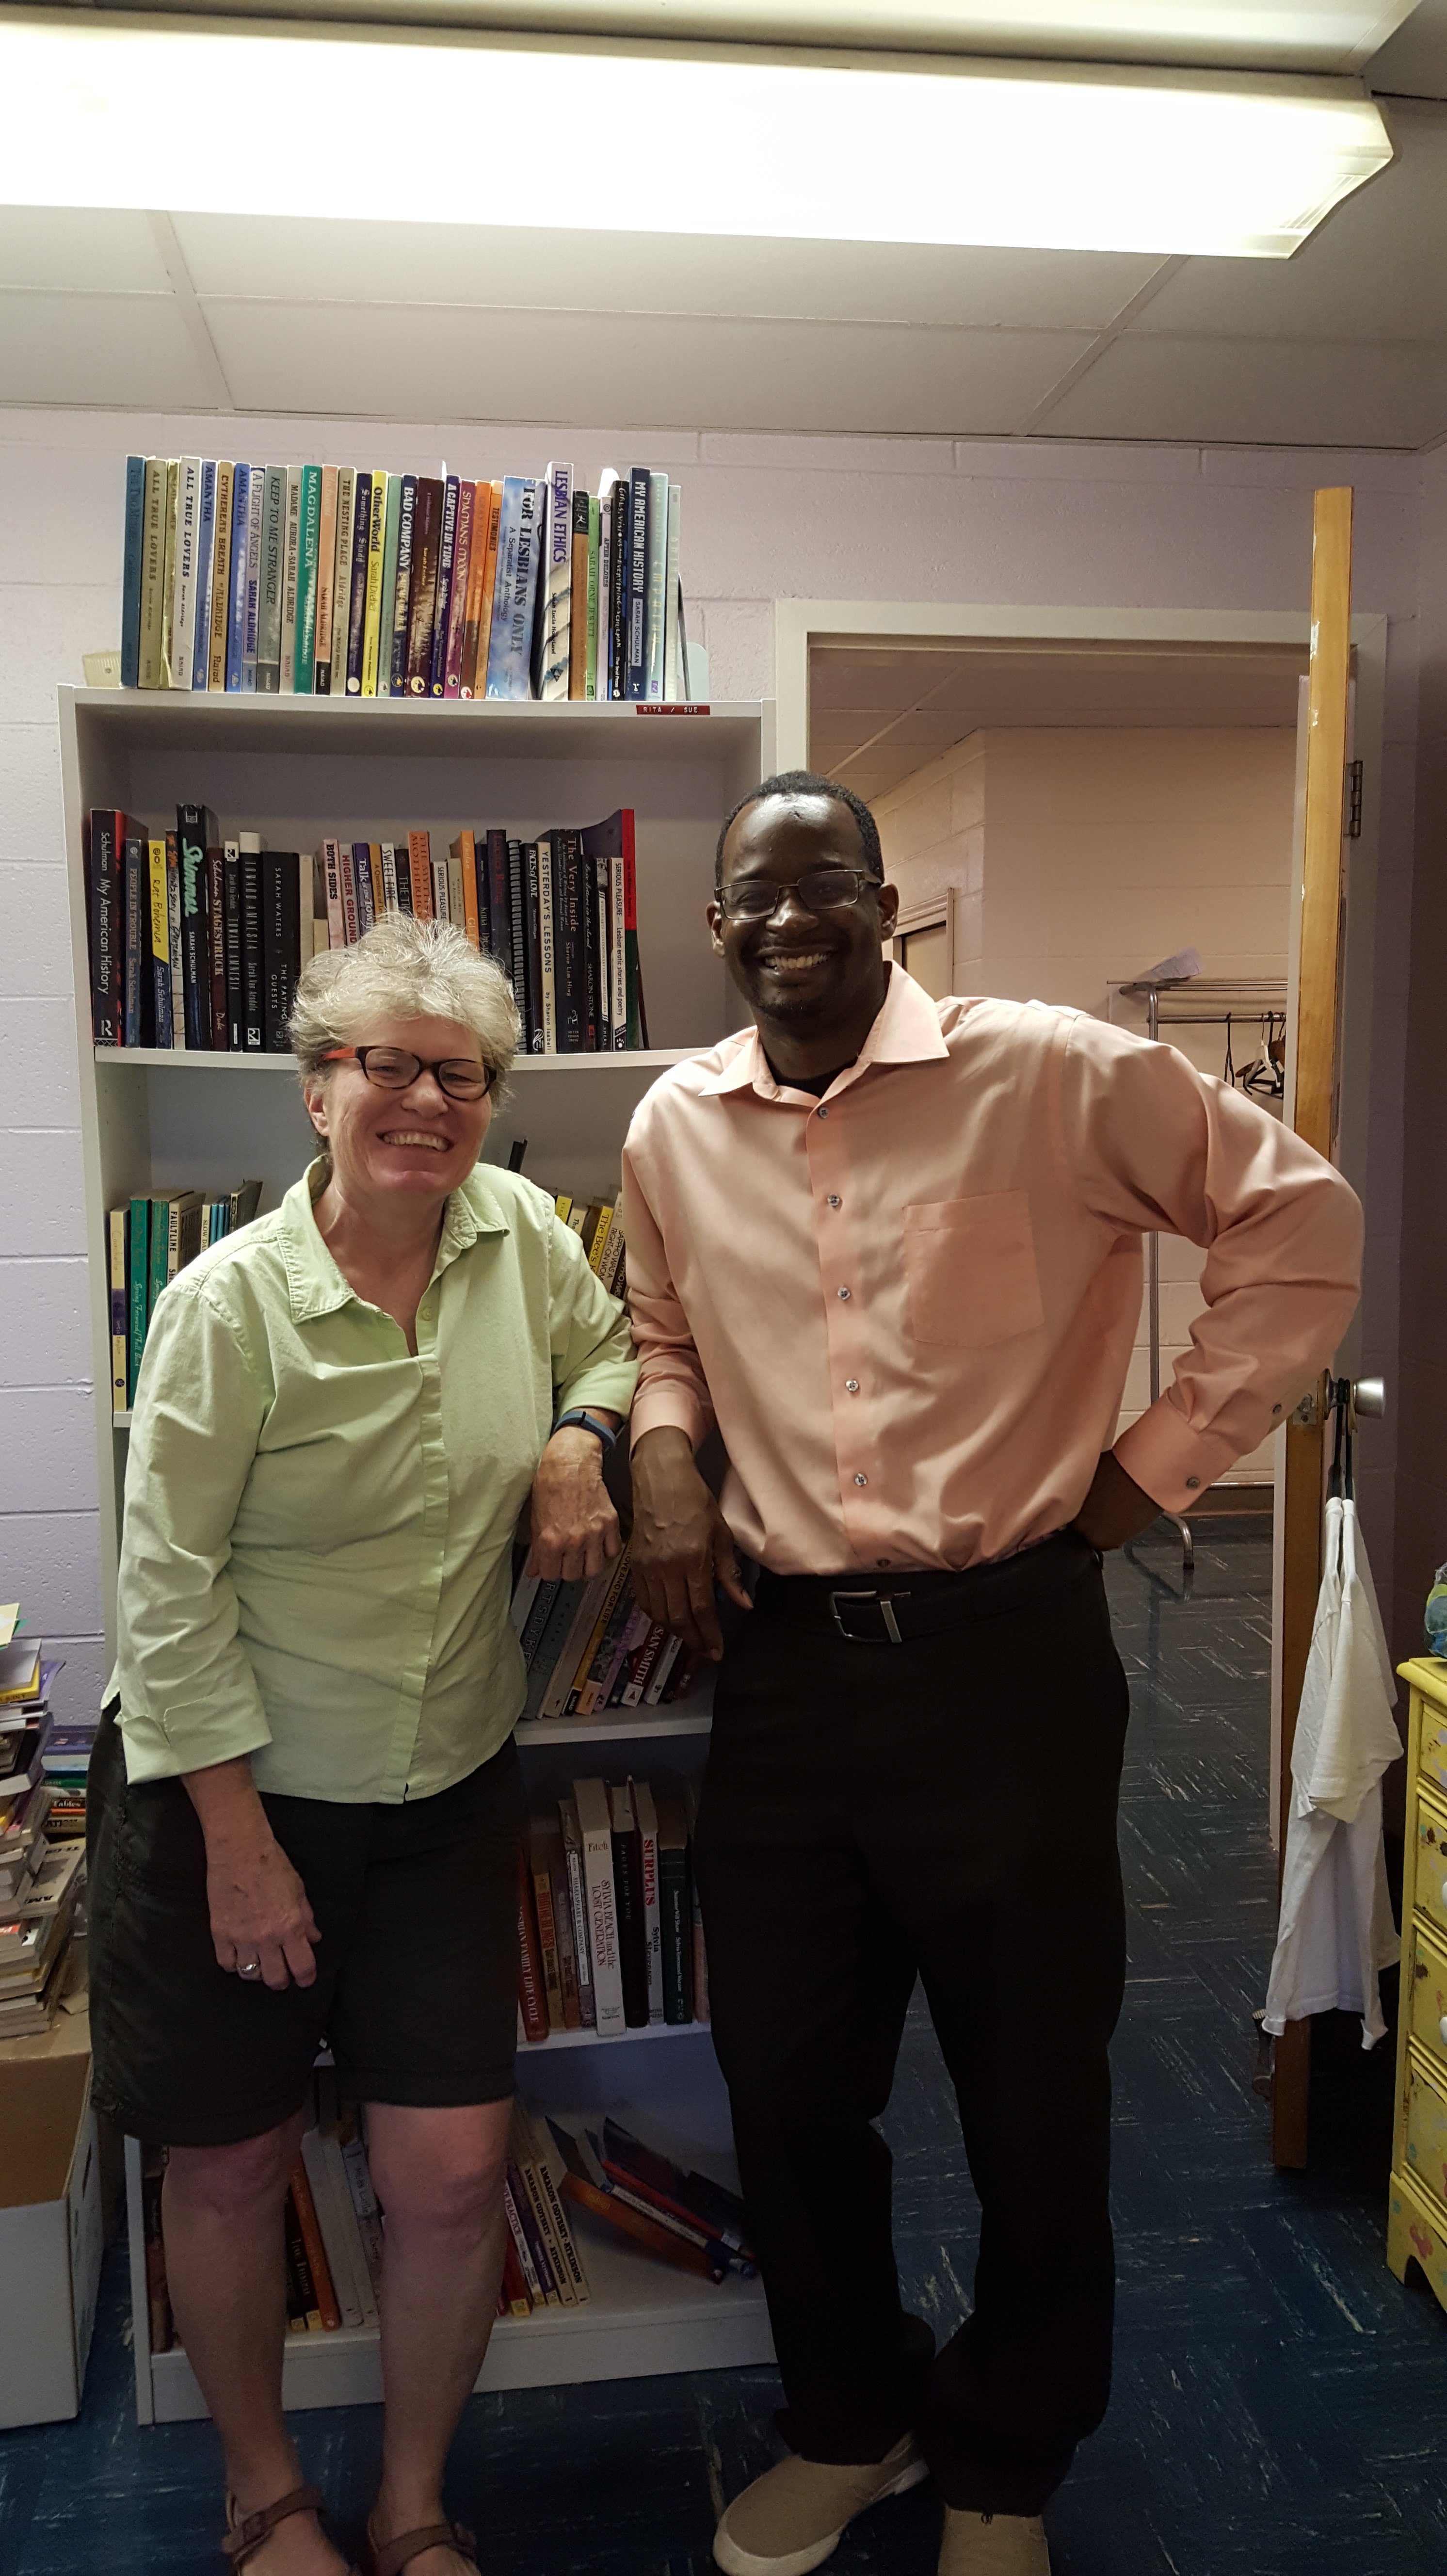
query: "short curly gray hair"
402, 969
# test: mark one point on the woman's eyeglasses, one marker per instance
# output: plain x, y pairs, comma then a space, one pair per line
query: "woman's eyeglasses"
461, 1077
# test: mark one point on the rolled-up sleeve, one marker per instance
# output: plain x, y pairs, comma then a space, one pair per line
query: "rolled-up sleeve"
1156, 1145
672, 1388
592, 1349
189, 1697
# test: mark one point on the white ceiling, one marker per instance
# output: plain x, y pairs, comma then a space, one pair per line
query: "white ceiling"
880, 712
1343, 345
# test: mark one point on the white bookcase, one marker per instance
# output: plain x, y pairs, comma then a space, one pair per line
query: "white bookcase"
294, 769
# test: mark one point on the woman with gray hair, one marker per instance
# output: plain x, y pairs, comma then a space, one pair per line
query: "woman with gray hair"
305, 1803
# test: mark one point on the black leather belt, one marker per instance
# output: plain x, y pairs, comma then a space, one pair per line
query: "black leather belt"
923, 1603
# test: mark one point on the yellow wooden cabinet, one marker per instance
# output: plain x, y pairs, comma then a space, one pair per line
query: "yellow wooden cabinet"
1417, 2209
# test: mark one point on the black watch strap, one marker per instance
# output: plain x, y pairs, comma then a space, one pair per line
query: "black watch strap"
588, 1422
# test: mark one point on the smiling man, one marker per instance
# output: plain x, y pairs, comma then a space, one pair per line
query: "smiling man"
892, 1247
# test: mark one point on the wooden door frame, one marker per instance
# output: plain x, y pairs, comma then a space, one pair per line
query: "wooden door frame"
932, 912
799, 624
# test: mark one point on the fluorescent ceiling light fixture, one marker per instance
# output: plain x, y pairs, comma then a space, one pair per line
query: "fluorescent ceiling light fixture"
642, 139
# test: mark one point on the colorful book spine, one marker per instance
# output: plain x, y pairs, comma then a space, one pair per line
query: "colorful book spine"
376, 560
290, 581
357, 584
461, 577
342, 577
419, 874
205, 569
195, 929
153, 574
639, 512
160, 922
231, 907
442, 605
236, 579
136, 993
131, 562
255, 548
309, 552
474, 632
119, 1286
579, 624
595, 540
176, 941
550, 658
168, 574
514, 602
402, 580
216, 943
138, 1264
184, 570
253, 1025
422, 596
221, 578
107, 933
673, 683
273, 575
326, 581
391, 549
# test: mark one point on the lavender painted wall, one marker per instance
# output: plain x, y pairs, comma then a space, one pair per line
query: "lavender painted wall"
906, 519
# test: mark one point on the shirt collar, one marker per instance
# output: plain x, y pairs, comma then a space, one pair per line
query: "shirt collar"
906, 1030
315, 1285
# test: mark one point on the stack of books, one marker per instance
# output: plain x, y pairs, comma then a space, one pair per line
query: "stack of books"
65, 1753
644, 2198
588, 1647
197, 939
26, 1676
337, 581
148, 1241
35, 1941
608, 1916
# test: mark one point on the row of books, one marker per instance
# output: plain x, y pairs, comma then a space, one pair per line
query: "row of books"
333, 581
587, 1645
43, 1769
148, 1241
335, 2227
610, 1930
196, 941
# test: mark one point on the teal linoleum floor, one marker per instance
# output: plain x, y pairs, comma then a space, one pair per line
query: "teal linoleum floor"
1280, 2403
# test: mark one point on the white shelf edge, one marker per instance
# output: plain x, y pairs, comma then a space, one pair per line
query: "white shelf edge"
188, 705
221, 1060
558, 2040
644, 1726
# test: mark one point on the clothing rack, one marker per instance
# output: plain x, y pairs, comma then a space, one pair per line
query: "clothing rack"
1256, 997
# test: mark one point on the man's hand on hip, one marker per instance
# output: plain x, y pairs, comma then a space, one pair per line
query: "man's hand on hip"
681, 1543
1115, 1508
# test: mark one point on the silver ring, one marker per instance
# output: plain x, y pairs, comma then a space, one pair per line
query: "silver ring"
249, 1968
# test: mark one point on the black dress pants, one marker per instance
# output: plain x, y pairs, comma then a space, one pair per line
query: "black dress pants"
943, 1808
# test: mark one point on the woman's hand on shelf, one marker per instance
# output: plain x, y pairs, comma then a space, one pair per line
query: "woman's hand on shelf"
574, 1525
682, 1545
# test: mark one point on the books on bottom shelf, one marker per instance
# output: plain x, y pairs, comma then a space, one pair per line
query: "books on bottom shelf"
335, 2227
42, 1827
589, 1648
147, 1242
609, 1928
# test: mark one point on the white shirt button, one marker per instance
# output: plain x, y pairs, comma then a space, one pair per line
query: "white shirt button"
834, 1199
861, 1480
841, 1292
851, 1386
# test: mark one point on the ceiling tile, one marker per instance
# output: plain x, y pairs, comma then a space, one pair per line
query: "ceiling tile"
636, 370
71, 247
1300, 393
887, 681
1376, 270
98, 349
893, 282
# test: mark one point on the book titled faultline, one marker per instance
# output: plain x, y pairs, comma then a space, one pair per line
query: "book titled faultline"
330, 581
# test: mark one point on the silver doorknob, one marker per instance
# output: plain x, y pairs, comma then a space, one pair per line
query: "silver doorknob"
1369, 1398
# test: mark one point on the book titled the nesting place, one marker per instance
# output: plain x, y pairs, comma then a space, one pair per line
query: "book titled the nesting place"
346, 581
198, 935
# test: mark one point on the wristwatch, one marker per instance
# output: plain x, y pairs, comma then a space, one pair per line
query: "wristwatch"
588, 1422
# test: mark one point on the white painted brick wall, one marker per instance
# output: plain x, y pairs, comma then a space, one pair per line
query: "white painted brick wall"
869, 518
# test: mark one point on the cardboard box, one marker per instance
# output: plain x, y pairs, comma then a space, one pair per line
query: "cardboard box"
50, 2235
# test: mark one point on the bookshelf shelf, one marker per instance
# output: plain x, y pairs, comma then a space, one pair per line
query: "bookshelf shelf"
203, 1060
296, 770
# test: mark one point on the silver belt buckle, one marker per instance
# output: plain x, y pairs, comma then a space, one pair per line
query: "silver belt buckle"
886, 1612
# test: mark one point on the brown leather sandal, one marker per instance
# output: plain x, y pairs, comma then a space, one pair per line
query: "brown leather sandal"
408, 2545
244, 2536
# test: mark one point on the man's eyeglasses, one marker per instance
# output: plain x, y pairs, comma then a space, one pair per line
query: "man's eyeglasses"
392, 1069
817, 890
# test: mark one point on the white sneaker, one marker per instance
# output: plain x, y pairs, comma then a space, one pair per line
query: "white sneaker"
795, 2515
993, 2544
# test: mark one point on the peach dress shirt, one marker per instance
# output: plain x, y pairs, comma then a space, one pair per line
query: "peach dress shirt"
910, 1305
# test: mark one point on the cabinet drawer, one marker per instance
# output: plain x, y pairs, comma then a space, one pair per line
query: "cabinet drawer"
1430, 1886
1426, 2131
1432, 1756
1426, 1969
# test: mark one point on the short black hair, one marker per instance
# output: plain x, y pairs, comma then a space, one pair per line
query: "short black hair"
807, 782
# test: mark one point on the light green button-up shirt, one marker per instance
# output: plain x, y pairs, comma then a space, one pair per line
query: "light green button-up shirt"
318, 1529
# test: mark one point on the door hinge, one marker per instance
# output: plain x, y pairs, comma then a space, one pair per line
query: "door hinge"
1354, 800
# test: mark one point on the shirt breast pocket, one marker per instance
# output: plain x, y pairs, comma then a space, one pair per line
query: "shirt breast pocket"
969, 1267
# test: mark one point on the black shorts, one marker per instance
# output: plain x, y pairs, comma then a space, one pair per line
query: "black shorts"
417, 1965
